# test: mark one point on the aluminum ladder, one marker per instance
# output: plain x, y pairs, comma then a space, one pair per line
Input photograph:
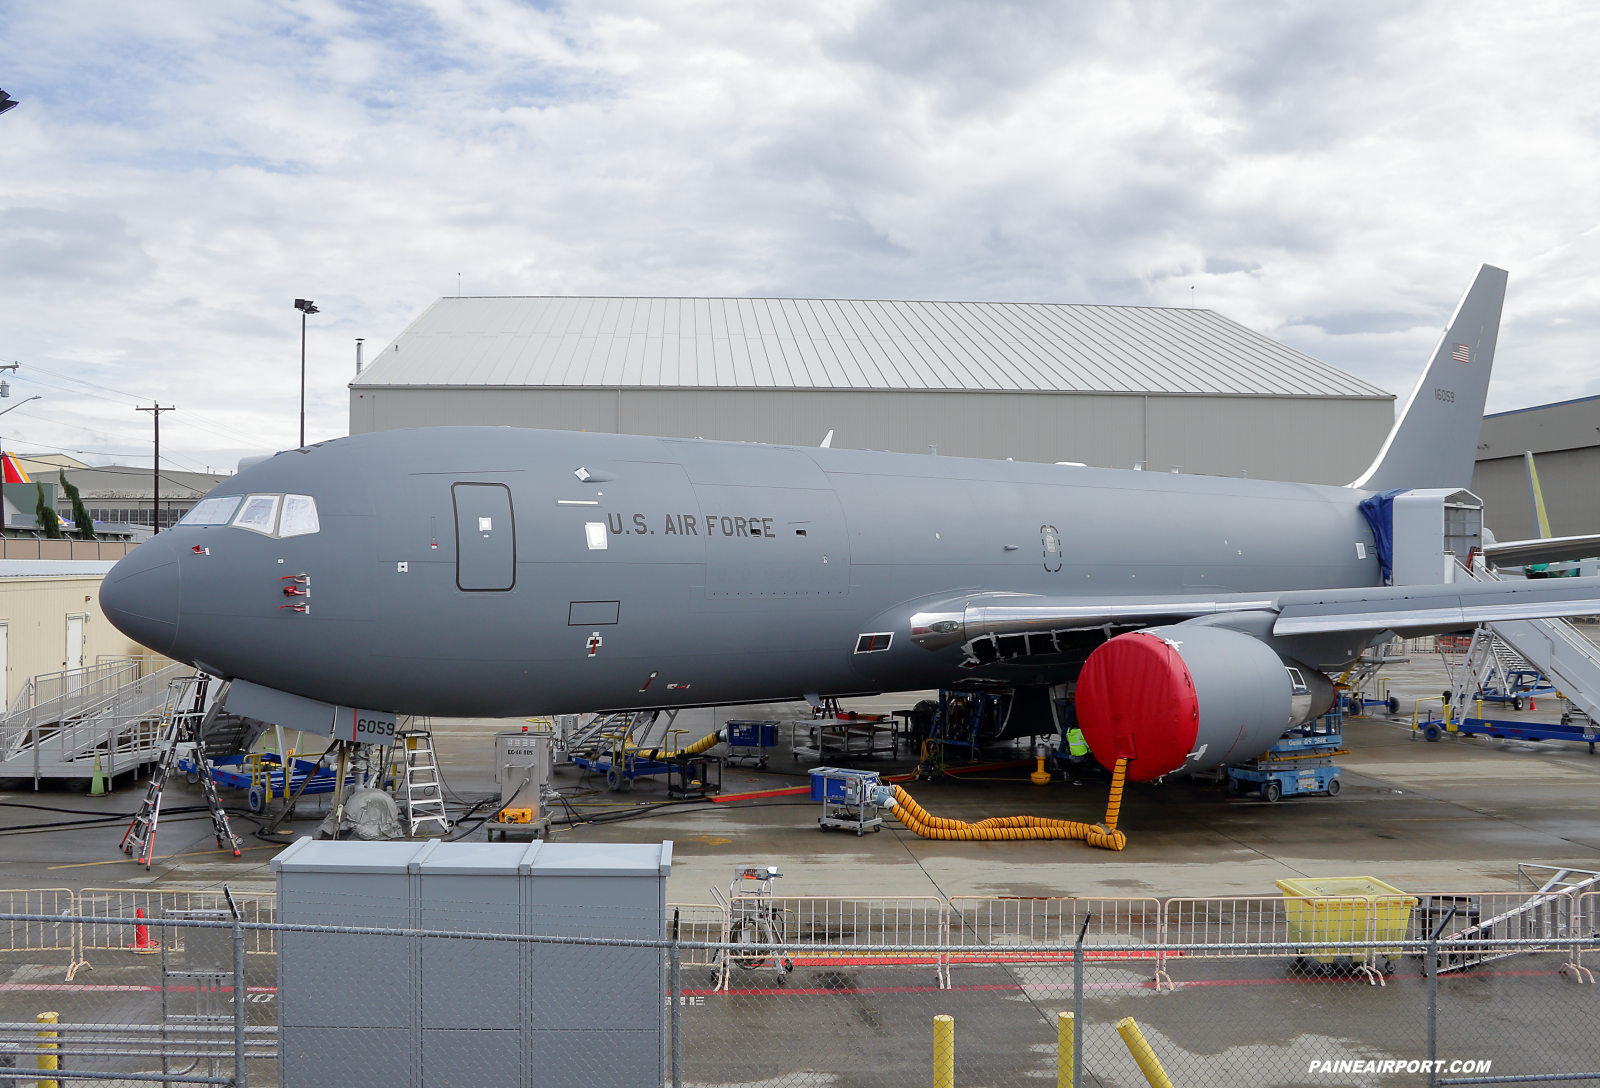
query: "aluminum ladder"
180, 727
423, 799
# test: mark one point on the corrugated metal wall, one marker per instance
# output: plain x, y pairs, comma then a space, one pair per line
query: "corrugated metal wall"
1570, 480
1314, 439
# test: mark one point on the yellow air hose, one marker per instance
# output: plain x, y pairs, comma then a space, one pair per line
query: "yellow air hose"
704, 743
1104, 835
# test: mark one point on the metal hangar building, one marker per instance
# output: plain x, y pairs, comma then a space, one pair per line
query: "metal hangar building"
1173, 389
1564, 439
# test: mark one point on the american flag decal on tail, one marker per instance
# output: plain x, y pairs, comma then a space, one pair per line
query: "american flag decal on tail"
1462, 354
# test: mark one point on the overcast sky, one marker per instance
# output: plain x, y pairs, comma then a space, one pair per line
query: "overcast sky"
1329, 174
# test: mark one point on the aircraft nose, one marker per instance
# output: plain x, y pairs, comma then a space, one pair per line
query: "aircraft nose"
141, 595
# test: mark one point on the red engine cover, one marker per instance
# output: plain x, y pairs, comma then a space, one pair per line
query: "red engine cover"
1136, 699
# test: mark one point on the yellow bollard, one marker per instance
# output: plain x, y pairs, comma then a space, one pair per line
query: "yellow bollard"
1064, 1025
1149, 1064
944, 1052
47, 1050
1040, 776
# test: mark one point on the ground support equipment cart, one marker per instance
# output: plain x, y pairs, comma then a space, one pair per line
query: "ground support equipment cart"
262, 775
1301, 762
848, 799
749, 742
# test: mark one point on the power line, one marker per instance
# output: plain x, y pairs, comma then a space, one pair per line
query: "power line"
96, 430
220, 430
49, 466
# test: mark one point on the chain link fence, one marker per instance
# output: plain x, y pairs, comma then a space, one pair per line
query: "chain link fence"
208, 988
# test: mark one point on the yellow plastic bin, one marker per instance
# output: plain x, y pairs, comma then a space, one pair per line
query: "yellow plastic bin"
1345, 908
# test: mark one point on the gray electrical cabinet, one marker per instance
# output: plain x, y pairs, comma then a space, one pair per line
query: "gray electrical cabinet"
522, 768
426, 1012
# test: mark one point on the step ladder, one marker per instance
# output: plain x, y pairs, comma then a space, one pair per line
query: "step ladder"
423, 799
183, 722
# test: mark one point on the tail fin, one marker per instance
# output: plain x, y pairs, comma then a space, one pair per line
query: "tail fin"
1435, 441
1541, 520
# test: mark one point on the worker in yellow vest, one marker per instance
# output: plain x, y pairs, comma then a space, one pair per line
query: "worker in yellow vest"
1077, 752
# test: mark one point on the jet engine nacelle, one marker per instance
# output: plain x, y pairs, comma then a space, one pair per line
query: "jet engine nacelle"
1191, 698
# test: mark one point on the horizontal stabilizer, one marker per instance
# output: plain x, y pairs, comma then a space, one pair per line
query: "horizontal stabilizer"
1556, 549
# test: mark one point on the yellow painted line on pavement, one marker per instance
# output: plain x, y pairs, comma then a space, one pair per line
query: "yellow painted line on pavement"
167, 857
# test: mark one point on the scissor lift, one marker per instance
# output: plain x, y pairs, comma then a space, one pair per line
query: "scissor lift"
1300, 762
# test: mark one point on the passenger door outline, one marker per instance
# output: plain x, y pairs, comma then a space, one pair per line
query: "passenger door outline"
487, 557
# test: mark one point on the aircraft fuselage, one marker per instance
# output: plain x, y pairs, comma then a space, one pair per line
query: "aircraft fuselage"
472, 570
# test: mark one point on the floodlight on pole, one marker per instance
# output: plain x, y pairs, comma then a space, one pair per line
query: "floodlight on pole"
306, 308
7, 102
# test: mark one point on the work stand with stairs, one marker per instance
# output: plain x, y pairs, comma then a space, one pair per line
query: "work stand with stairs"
184, 724
104, 718
1506, 653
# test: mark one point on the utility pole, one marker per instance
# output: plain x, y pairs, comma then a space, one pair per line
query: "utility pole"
306, 308
155, 472
5, 391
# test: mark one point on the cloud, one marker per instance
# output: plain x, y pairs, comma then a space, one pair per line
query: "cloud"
177, 175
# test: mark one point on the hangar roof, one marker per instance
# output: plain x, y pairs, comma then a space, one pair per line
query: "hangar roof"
782, 343
1544, 428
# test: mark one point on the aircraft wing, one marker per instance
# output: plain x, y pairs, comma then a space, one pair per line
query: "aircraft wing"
1557, 549
1420, 609
1423, 609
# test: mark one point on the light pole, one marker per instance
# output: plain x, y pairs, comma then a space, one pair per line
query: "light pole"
306, 308
5, 391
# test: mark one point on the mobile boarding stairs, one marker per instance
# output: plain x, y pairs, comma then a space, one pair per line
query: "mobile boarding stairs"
60, 722
1556, 648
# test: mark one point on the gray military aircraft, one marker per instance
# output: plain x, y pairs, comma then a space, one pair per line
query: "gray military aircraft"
507, 572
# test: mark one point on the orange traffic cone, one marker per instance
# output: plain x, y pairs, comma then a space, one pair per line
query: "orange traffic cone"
142, 944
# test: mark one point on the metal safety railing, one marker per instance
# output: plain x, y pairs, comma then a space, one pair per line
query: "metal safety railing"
60, 722
83, 1049
73, 1050
832, 923
1226, 926
697, 922
60, 935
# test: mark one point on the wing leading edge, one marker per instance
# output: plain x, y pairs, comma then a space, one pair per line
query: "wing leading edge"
1415, 609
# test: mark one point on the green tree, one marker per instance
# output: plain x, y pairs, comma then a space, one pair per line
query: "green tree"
45, 515
80, 516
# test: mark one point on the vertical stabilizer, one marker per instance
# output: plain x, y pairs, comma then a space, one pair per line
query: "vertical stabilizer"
1435, 441
1541, 520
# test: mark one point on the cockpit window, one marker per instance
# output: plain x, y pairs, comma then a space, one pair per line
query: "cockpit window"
211, 511
299, 516
259, 514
